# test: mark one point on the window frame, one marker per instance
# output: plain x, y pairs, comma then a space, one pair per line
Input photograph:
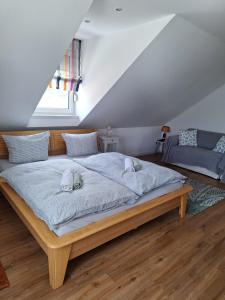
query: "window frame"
71, 111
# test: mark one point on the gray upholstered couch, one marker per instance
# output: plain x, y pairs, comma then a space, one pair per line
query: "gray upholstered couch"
201, 158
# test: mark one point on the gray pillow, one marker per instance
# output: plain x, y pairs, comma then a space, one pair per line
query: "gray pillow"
80, 144
28, 148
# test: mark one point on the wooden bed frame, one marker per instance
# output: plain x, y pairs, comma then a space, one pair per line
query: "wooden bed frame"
62, 249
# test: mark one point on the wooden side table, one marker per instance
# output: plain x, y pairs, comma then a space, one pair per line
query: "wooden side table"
109, 144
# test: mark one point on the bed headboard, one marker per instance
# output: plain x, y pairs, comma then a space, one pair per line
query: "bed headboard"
56, 142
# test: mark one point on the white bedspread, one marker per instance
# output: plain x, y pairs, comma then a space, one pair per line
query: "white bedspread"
150, 177
93, 218
39, 185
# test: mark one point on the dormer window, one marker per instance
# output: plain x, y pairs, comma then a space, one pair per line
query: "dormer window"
61, 93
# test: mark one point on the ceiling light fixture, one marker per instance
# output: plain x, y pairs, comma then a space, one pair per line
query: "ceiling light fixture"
119, 9
87, 21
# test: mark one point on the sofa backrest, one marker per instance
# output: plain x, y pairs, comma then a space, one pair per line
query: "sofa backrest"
208, 139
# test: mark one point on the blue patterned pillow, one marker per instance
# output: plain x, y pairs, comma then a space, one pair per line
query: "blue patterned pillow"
220, 145
28, 148
188, 138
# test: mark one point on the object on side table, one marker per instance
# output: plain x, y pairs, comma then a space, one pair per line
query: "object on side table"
165, 130
109, 131
109, 144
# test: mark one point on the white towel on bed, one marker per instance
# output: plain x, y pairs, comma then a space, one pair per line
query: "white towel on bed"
132, 165
67, 180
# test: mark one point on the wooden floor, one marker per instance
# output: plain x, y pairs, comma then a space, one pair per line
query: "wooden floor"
164, 259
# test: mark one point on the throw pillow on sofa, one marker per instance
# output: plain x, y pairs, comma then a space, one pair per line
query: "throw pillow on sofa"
220, 145
188, 138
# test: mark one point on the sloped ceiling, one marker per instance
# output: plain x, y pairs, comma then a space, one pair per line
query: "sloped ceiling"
34, 35
179, 68
110, 56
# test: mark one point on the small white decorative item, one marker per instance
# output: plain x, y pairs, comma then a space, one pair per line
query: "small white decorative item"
109, 131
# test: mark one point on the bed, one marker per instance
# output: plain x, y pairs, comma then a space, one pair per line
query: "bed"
66, 244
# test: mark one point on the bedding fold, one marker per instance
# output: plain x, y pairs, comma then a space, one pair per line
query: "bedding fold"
149, 177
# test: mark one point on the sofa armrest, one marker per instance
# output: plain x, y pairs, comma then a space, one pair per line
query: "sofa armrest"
172, 141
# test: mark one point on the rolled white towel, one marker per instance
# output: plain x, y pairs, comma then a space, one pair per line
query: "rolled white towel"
132, 165
67, 181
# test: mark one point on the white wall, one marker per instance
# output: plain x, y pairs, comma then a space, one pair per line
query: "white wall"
136, 141
208, 114
105, 59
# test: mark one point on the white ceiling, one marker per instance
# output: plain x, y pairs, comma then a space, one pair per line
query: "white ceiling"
208, 14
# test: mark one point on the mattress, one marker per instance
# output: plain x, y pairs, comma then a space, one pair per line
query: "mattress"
89, 219
5, 164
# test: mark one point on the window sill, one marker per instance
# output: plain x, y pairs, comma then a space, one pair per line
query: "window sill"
53, 121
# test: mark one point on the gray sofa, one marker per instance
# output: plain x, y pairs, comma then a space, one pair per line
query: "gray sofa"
199, 159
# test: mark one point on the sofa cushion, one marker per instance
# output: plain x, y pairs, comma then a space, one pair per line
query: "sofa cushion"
195, 156
207, 139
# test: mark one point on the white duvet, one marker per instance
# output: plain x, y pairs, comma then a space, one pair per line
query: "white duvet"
39, 185
150, 177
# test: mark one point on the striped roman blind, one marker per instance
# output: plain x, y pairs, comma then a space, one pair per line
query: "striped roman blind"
68, 74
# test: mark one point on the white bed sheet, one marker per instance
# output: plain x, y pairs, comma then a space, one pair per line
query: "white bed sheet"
89, 219
5, 164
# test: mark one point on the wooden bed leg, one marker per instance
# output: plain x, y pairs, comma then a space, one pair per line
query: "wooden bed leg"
183, 206
57, 264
